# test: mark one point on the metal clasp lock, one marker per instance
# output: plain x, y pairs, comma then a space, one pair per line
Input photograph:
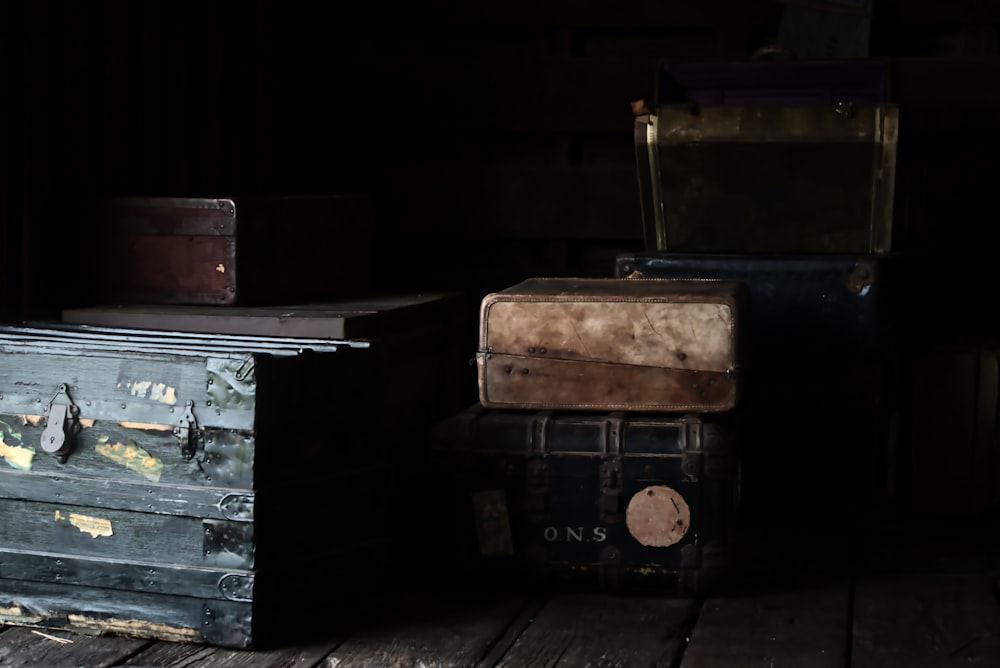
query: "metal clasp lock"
60, 432
187, 432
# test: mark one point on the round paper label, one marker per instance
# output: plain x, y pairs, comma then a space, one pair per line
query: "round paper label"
657, 516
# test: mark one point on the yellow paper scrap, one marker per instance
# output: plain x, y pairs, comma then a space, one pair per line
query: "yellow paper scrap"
18, 456
95, 526
131, 456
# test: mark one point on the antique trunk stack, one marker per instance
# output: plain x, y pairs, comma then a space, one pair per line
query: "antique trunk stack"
601, 453
603, 450
207, 466
780, 175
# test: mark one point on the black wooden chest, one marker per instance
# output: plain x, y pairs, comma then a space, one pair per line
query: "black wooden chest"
604, 501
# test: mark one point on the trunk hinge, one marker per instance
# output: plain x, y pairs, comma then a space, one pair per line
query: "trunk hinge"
537, 467
236, 587
63, 424
237, 507
612, 451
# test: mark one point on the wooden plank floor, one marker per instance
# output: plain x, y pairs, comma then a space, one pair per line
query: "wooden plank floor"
893, 597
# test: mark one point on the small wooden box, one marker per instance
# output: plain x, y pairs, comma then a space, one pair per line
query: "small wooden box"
232, 251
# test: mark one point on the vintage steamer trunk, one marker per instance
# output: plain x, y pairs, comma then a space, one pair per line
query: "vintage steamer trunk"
768, 157
606, 344
607, 501
232, 251
223, 489
826, 335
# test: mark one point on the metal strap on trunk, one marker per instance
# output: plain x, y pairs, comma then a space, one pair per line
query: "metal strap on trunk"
705, 450
537, 467
612, 479
612, 451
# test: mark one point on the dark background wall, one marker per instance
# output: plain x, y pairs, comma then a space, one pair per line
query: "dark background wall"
495, 137
496, 140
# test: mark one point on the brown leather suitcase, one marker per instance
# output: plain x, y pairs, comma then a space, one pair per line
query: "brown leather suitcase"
232, 251
611, 344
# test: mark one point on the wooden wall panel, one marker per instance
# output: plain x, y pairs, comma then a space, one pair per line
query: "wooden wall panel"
11, 160
471, 124
547, 202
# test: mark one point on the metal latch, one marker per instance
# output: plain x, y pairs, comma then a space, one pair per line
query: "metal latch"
60, 432
187, 432
705, 450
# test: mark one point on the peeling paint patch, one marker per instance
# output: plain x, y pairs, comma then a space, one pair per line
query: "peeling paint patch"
18, 456
146, 425
131, 456
135, 627
147, 389
95, 526
15, 434
16, 614
33, 420
221, 268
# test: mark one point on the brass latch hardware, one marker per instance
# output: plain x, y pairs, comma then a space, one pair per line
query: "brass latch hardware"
187, 432
60, 432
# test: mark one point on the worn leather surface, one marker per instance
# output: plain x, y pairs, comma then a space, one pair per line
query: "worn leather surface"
524, 382
610, 344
